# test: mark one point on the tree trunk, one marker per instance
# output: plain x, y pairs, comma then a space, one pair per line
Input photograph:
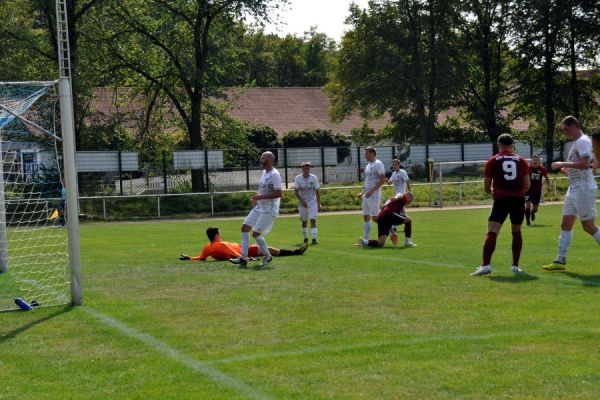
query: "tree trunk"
549, 40
195, 132
573, 62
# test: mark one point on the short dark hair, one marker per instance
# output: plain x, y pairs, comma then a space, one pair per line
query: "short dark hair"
371, 149
505, 139
569, 120
211, 232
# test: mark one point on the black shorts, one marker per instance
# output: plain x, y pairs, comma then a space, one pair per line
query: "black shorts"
513, 206
534, 197
385, 223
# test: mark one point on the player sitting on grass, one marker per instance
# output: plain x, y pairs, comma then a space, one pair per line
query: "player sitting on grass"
392, 214
221, 250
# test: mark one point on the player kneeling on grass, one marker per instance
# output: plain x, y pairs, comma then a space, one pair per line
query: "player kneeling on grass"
392, 214
221, 250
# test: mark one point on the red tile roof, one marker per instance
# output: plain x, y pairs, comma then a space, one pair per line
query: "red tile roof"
290, 109
283, 109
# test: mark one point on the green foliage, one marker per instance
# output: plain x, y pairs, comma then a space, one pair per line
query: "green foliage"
263, 137
391, 62
319, 138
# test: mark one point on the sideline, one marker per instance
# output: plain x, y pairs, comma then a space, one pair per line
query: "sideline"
201, 367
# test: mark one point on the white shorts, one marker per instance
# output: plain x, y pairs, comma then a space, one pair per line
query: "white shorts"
260, 222
581, 203
309, 212
371, 205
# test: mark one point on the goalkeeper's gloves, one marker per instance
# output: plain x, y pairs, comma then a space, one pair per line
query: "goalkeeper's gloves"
184, 257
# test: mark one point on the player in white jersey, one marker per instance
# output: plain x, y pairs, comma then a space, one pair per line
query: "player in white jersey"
266, 208
580, 200
371, 193
401, 184
306, 188
399, 178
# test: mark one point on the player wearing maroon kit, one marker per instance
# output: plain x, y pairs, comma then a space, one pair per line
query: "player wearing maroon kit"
506, 179
392, 214
534, 194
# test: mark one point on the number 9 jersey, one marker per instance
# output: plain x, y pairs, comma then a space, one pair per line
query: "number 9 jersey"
507, 170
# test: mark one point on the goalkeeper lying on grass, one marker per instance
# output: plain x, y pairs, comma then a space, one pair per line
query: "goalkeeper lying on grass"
220, 250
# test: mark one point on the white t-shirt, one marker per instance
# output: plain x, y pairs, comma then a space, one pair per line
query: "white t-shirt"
581, 179
307, 187
373, 172
399, 179
270, 182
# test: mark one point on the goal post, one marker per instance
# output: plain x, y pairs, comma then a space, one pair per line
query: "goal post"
457, 183
70, 173
35, 250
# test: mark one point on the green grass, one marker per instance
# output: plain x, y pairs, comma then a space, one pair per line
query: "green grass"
339, 322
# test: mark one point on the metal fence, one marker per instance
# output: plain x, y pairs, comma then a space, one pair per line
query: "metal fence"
122, 174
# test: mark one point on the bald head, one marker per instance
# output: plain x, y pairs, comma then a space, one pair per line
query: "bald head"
267, 159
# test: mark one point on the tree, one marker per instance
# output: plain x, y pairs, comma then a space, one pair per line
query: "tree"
179, 49
538, 30
583, 38
396, 60
483, 50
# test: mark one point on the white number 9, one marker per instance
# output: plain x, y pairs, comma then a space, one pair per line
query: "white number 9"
510, 169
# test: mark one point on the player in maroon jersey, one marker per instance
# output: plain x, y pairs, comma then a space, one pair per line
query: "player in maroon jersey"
534, 194
506, 179
392, 214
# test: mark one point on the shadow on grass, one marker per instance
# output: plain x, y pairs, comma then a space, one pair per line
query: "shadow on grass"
538, 226
31, 324
586, 280
516, 278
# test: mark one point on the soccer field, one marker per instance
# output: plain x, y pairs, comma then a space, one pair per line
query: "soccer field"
338, 322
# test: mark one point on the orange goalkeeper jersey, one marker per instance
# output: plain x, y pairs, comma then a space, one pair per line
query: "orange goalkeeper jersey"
220, 251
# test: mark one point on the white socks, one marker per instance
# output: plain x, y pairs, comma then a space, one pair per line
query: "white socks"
367, 230
260, 241
313, 232
305, 233
245, 244
597, 236
564, 241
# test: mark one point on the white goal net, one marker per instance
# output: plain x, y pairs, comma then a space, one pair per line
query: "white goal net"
34, 261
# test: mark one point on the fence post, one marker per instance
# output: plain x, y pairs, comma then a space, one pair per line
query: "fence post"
104, 208
247, 170
285, 166
158, 204
206, 169
164, 162
358, 161
120, 174
212, 205
323, 163
462, 152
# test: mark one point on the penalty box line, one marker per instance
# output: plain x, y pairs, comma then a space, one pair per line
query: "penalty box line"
201, 367
397, 343
371, 254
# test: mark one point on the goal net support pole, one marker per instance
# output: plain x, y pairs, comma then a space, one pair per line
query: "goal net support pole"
3, 233
70, 171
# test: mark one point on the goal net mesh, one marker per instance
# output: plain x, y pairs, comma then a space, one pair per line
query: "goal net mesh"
34, 262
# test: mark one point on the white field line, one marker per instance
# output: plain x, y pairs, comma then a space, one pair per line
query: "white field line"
198, 366
371, 254
397, 343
